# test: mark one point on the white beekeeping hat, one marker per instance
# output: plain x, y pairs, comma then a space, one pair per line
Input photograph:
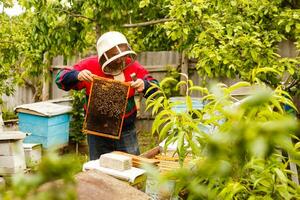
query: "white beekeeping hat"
112, 41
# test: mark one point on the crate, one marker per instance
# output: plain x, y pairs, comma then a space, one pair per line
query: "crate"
46, 123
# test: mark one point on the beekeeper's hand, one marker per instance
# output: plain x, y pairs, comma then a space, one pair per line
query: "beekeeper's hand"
138, 84
85, 75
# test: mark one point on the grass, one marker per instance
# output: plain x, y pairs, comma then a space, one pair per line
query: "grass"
147, 141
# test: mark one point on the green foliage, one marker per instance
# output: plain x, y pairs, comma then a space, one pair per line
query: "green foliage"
240, 156
227, 38
9, 50
170, 87
235, 38
46, 29
77, 116
8, 114
43, 184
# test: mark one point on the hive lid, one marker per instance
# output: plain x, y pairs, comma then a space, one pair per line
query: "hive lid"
31, 145
12, 135
45, 109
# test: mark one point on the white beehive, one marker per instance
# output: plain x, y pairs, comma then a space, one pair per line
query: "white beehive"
33, 154
115, 161
12, 157
2, 182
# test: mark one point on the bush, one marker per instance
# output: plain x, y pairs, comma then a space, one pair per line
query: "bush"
241, 158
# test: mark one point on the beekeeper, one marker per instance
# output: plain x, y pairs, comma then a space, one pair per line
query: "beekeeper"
115, 60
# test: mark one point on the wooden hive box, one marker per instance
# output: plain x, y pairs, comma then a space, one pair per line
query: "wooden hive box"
106, 108
48, 123
12, 158
33, 154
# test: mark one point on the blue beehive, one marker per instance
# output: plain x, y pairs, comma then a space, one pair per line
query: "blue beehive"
182, 107
197, 104
47, 123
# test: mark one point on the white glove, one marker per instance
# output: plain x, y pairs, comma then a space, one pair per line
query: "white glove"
138, 84
85, 75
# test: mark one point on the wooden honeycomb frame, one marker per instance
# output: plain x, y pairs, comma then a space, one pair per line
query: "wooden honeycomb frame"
106, 107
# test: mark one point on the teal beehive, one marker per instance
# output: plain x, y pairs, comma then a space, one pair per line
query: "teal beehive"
197, 104
181, 106
45, 123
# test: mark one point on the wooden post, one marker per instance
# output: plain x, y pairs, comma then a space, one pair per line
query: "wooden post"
55, 92
45, 90
46, 78
184, 70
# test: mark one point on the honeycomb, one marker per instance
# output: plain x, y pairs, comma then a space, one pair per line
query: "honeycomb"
106, 107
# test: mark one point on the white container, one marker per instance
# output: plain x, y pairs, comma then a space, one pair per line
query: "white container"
10, 147
12, 157
33, 154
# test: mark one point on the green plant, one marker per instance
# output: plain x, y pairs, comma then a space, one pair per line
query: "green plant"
240, 158
54, 179
146, 141
8, 114
170, 87
77, 117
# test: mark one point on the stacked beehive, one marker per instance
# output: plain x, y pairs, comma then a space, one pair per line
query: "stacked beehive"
12, 158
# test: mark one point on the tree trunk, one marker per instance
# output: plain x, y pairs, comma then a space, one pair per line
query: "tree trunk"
76, 148
184, 70
46, 78
46, 88
1, 121
98, 31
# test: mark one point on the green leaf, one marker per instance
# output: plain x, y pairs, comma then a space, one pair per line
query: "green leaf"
297, 145
288, 27
189, 103
207, 70
238, 85
157, 123
200, 89
190, 82
266, 70
231, 189
291, 70
179, 84
163, 133
166, 80
155, 108
281, 175
144, 3
151, 97
149, 105
195, 147
170, 140
277, 105
254, 54
180, 144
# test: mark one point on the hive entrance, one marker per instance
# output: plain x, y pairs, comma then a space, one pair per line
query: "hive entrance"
106, 108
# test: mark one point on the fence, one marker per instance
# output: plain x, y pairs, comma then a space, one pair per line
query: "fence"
157, 64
